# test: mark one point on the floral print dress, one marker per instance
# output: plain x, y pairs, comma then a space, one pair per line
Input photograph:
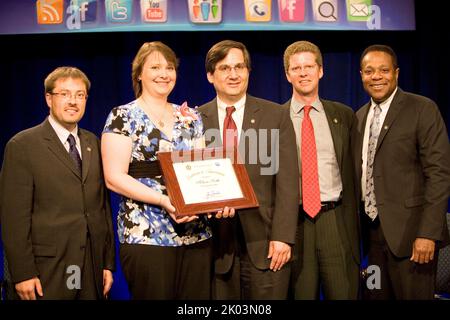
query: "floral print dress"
143, 223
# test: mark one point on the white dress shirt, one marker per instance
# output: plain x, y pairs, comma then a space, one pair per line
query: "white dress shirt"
63, 134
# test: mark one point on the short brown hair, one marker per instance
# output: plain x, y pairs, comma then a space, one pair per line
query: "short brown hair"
380, 48
139, 61
220, 50
301, 46
64, 73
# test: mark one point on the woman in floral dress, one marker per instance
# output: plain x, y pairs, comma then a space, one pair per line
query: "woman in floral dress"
162, 257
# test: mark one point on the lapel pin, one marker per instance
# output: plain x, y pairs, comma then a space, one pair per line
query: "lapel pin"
88, 149
252, 121
335, 120
386, 127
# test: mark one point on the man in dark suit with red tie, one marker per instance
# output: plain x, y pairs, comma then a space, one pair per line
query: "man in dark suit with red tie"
55, 214
328, 234
401, 155
253, 249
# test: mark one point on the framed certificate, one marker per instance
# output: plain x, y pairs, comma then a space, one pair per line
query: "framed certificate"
206, 180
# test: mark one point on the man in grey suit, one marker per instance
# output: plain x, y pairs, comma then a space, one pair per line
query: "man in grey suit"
401, 154
56, 219
253, 249
328, 241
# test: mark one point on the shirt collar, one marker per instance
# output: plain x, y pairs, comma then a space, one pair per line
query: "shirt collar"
297, 106
62, 132
238, 105
386, 103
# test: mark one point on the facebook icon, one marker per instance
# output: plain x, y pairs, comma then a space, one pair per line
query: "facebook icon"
79, 12
291, 10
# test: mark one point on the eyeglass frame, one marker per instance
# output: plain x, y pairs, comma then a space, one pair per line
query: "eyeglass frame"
66, 95
226, 69
306, 68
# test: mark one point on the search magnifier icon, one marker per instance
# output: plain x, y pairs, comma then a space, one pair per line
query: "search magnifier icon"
326, 9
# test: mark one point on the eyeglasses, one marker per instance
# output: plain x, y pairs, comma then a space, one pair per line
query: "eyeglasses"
66, 95
226, 69
307, 68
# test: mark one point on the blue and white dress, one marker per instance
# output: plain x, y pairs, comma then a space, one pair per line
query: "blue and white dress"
143, 223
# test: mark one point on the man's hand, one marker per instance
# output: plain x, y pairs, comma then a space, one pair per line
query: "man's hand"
280, 253
107, 282
227, 212
27, 289
423, 250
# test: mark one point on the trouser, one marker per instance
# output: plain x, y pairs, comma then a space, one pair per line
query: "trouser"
326, 260
245, 281
169, 273
400, 278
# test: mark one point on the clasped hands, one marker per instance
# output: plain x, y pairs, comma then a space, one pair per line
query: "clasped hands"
170, 209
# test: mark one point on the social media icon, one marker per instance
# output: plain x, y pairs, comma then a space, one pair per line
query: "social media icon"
205, 11
291, 10
79, 12
154, 10
49, 11
358, 10
325, 10
88, 11
258, 10
119, 11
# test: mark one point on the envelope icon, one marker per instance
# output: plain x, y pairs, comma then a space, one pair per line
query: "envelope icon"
359, 10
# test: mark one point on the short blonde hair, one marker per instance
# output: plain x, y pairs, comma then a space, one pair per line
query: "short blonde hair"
301, 46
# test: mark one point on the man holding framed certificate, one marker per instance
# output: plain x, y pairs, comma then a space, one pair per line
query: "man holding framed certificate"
252, 251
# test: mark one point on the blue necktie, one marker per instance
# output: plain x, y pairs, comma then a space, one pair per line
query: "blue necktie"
73, 152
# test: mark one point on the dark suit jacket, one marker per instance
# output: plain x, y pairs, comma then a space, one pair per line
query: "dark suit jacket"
411, 171
276, 217
340, 120
48, 208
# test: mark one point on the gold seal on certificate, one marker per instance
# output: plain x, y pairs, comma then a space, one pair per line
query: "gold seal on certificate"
205, 180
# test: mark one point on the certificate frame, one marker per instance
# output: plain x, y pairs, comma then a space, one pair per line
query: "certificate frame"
166, 161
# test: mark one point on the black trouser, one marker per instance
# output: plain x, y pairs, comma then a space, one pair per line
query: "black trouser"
88, 289
169, 273
245, 281
400, 278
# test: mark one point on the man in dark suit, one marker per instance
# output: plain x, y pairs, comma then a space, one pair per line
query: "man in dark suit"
328, 241
56, 220
401, 154
252, 250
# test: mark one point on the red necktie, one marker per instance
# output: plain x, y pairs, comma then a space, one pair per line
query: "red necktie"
229, 130
310, 176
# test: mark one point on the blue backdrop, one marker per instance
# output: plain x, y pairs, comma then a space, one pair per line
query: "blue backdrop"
106, 59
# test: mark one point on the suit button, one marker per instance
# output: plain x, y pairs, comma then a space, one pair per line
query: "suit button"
86, 214
82, 247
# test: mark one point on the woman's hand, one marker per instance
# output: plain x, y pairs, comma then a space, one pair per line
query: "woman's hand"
170, 209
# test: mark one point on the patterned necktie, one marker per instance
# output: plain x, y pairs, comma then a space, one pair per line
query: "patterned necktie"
310, 175
370, 202
73, 152
229, 130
